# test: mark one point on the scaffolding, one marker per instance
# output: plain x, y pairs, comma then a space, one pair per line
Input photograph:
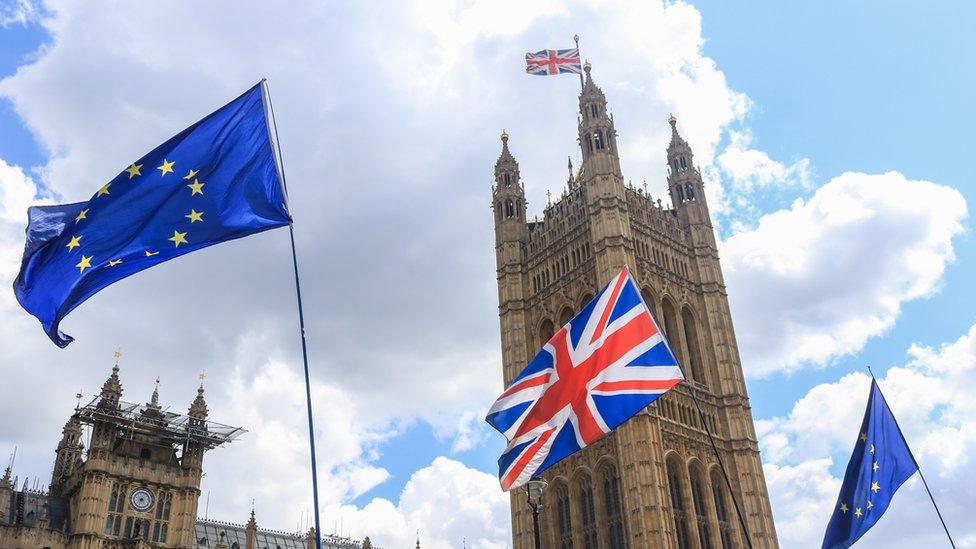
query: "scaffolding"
150, 420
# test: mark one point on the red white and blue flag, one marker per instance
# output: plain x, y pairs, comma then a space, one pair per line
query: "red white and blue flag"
603, 367
551, 62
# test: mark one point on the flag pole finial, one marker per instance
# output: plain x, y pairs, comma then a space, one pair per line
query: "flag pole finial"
576, 39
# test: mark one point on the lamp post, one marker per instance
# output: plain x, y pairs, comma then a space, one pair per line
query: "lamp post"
533, 491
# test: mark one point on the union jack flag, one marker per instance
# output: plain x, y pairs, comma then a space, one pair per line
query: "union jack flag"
550, 62
603, 367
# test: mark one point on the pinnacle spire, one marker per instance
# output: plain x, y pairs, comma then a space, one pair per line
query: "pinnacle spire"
198, 410
112, 388
506, 155
676, 140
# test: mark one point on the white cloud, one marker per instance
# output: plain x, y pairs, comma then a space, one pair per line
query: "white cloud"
833, 271
750, 169
447, 501
931, 400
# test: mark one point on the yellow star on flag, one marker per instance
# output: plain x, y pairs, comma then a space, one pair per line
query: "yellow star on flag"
875, 467
150, 254
166, 168
104, 189
872, 448
178, 238
870, 505
844, 508
864, 437
194, 216
191, 174
83, 214
73, 243
133, 170
858, 512
875, 487
114, 262
84, 263
196, 187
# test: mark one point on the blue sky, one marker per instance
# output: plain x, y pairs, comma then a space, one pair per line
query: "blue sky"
872, 88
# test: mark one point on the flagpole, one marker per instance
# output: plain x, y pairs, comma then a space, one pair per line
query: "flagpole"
301, 324
576, 39
919, 467
721, 465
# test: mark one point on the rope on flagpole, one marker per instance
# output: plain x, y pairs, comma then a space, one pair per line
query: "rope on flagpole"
919, 467
721, 465
301, 324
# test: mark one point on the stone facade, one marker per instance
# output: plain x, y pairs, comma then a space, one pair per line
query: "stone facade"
137, 485
655, 481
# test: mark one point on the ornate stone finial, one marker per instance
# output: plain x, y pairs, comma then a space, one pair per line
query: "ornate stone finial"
586, 67
78, 396
118, 356
198, 409
673, 120
549, 197
252, 523
112, 388
367, 544
154, 401
504, 136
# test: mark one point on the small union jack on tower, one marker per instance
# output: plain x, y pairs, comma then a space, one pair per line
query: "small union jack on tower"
599, 370
552, 62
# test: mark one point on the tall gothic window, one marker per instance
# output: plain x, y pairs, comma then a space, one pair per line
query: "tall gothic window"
116, 504
161, 526
684, 163
564, 522
690, 191
694, 349
587, 513
613, 508
701, 512
546, 330
508, 180
594, 110
721, 509
649, 301
677, 503
509, 209
598, 140
681, 193
671, 331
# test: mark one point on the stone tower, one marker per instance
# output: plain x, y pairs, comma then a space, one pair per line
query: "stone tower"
139, 484
655, 481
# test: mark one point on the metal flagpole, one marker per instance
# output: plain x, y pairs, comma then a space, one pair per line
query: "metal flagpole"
924, 483
721, 464
301, 324
576, 39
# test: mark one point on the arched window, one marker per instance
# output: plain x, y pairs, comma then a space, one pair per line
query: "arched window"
694, 349
613, 509
649, 301
690, 191
721, 509
671, 331
598, 140
565, 316
585, 299
594, 110
546, 330
681, 193
683, 162
508, 180
587, 512
509, 209
698, 494
564, 522
677, 503
116, 505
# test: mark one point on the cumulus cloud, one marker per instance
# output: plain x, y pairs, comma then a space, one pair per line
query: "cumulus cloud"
833, 271
807, 450
749, 169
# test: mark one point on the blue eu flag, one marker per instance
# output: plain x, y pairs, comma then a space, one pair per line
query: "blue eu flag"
881, 463
215, 181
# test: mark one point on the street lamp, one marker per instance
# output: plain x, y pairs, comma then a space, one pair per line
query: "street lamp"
533, 491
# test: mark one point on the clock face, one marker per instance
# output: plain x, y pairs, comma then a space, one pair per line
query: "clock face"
141, 500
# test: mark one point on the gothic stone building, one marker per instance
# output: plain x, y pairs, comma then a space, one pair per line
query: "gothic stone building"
137, 485
655, 481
